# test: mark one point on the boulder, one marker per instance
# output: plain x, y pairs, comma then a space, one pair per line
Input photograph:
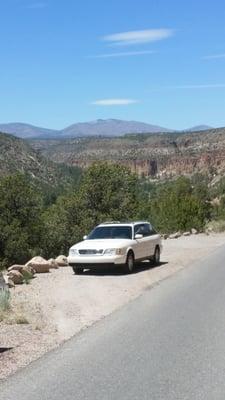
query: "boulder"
165, 236
39, 265
62, 261
53, 263
175, 235
37, 260
16, 267
208, 231
16, 277
11, 284
194, 231
186, 233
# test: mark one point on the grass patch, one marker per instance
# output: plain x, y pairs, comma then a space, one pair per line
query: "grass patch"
216, 226
8, 314
4, 304
27, 276
20, 319
4, 300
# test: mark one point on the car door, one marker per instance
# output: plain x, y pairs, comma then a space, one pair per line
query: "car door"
139, 246
154, 239
148, 241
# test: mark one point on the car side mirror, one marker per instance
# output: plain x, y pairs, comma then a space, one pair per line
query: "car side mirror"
138, 236
85, 237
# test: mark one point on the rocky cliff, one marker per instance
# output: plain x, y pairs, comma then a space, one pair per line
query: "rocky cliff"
157, 156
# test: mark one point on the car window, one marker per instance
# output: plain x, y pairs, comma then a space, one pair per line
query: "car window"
153, 231
147, 230
138, 229
111, 232
144, 229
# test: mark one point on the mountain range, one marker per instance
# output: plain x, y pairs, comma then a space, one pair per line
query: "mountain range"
100, 127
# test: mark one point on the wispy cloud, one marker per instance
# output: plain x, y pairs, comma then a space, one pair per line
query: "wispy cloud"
206, 86
37, 5
138, 37
123, 54
214, 56
114, 102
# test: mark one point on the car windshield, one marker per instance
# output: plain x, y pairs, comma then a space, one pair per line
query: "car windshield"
111, 232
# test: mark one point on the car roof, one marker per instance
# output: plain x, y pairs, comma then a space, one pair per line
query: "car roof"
113, 223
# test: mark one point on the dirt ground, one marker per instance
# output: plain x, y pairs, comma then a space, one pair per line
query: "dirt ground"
59, 304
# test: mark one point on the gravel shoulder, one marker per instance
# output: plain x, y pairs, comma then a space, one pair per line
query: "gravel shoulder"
59, 304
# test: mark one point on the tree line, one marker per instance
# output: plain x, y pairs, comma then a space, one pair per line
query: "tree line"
36, 221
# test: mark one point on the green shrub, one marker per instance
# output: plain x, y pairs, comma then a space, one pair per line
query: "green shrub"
216, 226
4, 300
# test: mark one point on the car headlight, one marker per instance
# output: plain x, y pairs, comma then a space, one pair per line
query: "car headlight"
113, 252
73, 252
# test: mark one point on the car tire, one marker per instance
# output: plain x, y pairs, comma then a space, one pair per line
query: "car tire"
78, 270
129, 266
156, 257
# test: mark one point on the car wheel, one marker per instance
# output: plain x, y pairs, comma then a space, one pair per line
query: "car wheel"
78, 270
156, 257
129, 266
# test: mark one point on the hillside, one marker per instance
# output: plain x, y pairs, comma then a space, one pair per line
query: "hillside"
158, 156
16, 155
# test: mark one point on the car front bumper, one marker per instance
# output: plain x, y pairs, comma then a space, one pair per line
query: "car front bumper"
89, 261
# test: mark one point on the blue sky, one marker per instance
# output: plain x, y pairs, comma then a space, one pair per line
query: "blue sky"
158, 61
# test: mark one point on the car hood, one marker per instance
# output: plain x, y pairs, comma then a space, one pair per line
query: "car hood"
102, 244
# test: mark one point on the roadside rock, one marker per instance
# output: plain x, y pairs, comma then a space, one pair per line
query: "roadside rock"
194, 231
175, 235
53, 263
39, 264
16, 267
11, 284
208, 231
165, 236
186, 233
16, 277
62, 261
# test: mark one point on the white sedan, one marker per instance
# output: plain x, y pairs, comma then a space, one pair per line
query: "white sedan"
116, 244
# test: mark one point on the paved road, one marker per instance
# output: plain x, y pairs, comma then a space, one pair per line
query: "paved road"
167, 345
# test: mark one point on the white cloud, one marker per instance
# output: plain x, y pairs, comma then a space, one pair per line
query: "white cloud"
124, 54
206, 86
114, 102
214, 56
137, 37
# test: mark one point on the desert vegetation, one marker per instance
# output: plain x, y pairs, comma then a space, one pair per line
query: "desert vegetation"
38, 220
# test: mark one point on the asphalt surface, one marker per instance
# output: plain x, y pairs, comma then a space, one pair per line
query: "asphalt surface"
169, 344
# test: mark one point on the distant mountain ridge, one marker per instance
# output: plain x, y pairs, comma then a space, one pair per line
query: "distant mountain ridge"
109, 127
26, 131
199, 128
100, 127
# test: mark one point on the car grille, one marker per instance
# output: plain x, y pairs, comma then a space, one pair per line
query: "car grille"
90, 252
